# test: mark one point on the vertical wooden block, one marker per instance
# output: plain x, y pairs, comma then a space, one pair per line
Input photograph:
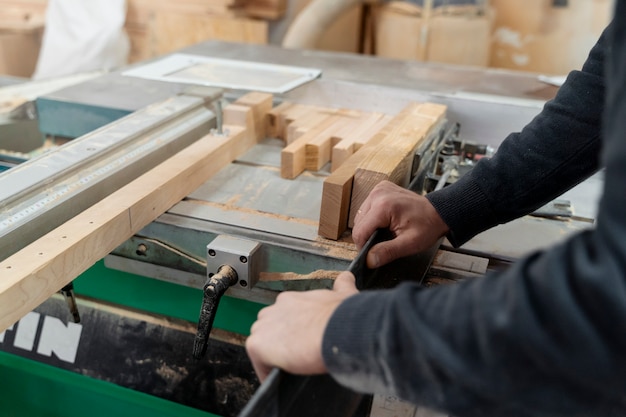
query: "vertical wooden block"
392, 159
337, 188
261, 105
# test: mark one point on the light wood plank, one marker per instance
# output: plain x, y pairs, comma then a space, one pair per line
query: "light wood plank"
392, 160
39, 270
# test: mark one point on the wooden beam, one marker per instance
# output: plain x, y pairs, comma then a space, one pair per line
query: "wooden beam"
39, 270
392, 159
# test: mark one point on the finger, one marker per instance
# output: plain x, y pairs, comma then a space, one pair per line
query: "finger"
345, 283
261, 370
367, 225
384, 252
259, 366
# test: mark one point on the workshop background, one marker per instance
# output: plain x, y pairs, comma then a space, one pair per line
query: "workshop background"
546, 36
474, 66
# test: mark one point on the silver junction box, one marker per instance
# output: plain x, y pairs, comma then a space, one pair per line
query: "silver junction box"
240, 254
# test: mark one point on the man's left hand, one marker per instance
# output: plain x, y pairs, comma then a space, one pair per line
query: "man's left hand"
289, 333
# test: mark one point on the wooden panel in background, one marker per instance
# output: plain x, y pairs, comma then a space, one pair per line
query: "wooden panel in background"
536, 35
451, 34
176, 30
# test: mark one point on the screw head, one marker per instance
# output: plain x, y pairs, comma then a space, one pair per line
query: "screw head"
141, 250
211, 252
243, 283
243, 259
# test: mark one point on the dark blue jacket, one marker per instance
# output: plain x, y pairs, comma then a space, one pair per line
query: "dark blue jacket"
547, 337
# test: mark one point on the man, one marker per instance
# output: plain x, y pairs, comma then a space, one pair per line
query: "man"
545, 337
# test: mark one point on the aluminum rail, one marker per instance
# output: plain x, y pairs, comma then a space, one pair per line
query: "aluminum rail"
43, 193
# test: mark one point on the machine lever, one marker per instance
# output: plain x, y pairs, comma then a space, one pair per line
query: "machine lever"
215, 287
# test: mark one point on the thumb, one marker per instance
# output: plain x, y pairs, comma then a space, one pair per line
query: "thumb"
345, 283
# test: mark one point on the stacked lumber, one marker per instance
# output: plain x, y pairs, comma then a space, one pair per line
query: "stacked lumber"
388, 155
362, 148
316, 136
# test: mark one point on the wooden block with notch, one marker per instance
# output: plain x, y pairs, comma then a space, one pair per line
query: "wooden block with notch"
319, 149
392, 160
261, 105
355, 136
280, 117
293, 156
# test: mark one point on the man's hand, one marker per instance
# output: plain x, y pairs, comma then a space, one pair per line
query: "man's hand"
414, 222
288, 334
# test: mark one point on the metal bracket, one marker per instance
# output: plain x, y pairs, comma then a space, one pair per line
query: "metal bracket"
240, 254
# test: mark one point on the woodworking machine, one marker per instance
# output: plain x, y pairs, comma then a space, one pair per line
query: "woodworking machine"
130, 335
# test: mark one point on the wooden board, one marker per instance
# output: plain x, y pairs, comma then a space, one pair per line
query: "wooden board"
39, 270
451, 34
392, 159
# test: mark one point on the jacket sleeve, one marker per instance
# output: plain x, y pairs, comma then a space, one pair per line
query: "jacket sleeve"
558, 149
545, 337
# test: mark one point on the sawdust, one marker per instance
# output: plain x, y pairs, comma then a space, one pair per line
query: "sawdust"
292, 276
245, 210
337, 249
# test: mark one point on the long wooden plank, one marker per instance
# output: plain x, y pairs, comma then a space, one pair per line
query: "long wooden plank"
39, 270
392, 160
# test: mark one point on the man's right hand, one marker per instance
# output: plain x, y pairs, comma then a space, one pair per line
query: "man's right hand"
411, 218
